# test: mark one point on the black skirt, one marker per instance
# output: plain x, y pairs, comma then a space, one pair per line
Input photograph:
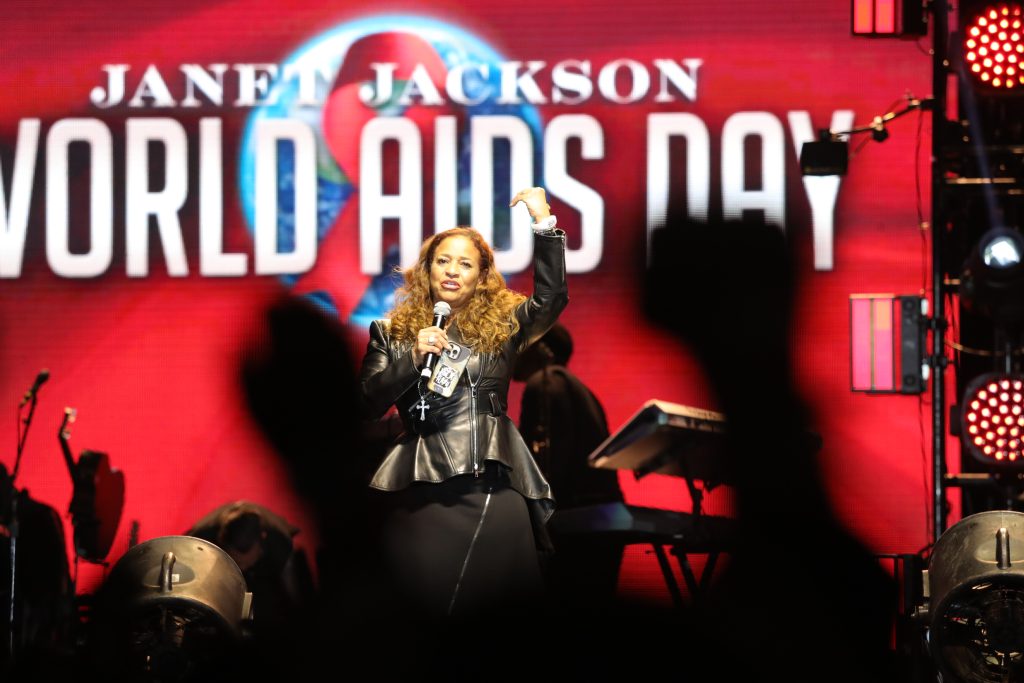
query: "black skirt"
458, 549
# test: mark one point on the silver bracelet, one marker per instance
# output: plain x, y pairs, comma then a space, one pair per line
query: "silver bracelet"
544, 224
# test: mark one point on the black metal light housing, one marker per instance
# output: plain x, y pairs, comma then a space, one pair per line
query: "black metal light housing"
173, 608
992, 280
975, 613
824, 156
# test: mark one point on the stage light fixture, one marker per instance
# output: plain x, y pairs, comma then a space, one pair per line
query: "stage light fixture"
993, 47
975, 589
888, 18
172, 609
992, 420
828, 155
888, 343
992, 280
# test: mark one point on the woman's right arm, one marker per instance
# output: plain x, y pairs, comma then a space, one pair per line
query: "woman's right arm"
382, 381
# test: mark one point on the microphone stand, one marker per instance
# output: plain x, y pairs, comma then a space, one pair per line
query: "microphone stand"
23, 436
13, 524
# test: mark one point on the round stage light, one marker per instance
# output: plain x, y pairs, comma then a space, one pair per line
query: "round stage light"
991, 419
992, 279
994, 46
1002, 251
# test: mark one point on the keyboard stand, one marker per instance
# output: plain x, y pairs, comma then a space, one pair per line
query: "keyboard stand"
680, 441
695, 586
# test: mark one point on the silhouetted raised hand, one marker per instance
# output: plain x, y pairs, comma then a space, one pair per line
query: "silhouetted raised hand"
800, 598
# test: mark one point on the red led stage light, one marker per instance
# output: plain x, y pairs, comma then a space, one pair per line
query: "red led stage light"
992, 419
993, 46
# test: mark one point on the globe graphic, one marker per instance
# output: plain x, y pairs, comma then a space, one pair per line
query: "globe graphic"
335, 186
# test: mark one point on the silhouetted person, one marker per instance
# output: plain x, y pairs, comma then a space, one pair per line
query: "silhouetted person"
276, 572
45, 621
800, 598
563, 422
300, 387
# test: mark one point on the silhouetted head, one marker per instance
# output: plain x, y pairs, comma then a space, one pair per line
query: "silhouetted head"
725, 288
242, 538
554, 348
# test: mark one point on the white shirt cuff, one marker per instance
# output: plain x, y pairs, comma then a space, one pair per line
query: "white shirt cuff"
545, 224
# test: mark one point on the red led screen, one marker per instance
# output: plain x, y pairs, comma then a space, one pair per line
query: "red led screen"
169, 169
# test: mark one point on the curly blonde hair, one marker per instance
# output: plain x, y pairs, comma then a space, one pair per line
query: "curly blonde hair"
485, 323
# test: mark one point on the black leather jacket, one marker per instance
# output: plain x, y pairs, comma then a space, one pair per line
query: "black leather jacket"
461, 433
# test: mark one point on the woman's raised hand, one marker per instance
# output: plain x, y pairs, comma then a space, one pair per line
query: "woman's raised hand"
535, 200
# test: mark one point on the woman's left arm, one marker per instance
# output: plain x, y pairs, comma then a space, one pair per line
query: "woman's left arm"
550, 291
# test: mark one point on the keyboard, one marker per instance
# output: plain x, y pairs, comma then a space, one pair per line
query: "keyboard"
626, 524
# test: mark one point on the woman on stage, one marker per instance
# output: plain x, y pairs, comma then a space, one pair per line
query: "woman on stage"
464, 504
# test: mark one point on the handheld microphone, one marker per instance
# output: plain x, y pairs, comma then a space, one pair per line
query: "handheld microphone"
441, 312
43, 375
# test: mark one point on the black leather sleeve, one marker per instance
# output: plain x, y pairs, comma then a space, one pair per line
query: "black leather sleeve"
381, 380
550, 291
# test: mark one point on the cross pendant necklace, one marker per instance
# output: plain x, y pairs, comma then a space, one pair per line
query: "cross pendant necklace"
423, 407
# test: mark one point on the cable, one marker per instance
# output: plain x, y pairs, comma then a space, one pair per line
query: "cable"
925, 469
877, 126
982, 352
922, 224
